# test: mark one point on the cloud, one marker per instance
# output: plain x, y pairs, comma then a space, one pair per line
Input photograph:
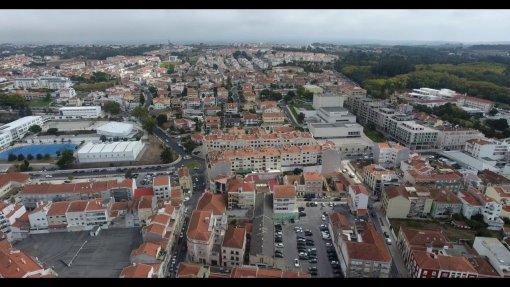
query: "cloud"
303, 26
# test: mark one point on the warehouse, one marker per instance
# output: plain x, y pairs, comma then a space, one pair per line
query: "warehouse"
109, 152
335, 130
115, 129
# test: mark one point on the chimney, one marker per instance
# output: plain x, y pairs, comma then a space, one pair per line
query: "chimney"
23, 261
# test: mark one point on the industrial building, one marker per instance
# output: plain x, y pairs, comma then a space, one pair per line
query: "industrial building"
109, 152
115, 129
90, 112
335, 130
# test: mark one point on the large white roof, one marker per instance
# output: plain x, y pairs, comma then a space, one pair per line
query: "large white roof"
116, 127
108, 147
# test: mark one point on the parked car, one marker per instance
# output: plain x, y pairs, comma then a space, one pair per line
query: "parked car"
302, 214
323, 217
279, 245
296, 262
313, 260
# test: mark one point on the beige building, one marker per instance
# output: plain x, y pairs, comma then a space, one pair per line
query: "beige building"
284, 202
185, 179
273, 118
200, 237
233, 247
406, 201
240, 194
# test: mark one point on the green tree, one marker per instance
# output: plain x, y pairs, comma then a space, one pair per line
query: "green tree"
166, 155
300, 118
102, 138
35, 129
12, 157
298, 171
24, 166
215, 66
30, 156
47, 97
52, 131
129, 173
38, 156
142, 99
112, 107
140, 112
20, 157
149, 124
171, 69
65, 159
499, 124
162, 118
493, 112
47, 156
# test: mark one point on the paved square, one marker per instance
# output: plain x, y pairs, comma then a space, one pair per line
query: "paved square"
102, 256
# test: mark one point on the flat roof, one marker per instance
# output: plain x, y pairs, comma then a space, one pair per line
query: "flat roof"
335, 125
107, 147
334, 109
116, 127
469, 161
20, 122
122, 146
80, 108
497, 248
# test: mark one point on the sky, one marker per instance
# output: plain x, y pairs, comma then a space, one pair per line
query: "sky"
269, 26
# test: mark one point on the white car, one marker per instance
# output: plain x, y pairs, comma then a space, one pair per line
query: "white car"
49, 175
296, 262
328, 244
280, 245
186, 198
323, 217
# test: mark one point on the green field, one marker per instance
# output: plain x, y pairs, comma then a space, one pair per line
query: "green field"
192, 165
374, 135
94, 86
39, 104
167, 64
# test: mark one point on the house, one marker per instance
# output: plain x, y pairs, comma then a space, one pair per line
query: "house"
145, 207
38, 217
161, 103
233, 247
273, 118
231, 122
312, 183
212, 122
212, 111
191, 270
185, 181
148, 252
200, 237
139, 271
358, 199
496, 252
15, 263
9, 214
11, 180
231, 108
241, 194
269, 107
185, 124
445, 203
284, 202
405, 201
390, 154
364, 257
162, 187
474, 202
250, 119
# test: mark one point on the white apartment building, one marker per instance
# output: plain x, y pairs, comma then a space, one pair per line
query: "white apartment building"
84, 112
52, 83
327, 100
377, 177
485, 148
85, 214
9, 212
38, 217
233, 247
358, 199
415, 136
240, 194
17, 129
162, 187
474, 202
284, 202
473, 102
390, 154
456, 138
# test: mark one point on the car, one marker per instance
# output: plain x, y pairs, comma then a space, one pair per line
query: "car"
308, 204
279, 255
279, 233
345, 170
313, 260
49, 176
308, 199
302, 214
311, 268
351, 175
313, 273
298, 229
296, 262
386, 235
279, 245
278, 240
308, 233
301, 208
334, 262
323, 217
323, 227
312, 249
322, 204
310, 243
388, 241
331, 204
186, 198
328, 244
337, 199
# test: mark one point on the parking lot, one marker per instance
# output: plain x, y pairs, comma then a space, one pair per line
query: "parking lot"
312, 221
101, 256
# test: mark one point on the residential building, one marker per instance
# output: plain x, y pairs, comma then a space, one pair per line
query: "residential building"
9, 213
52, 83
200, 237
231, 108
162, 187
241, 194
15, 263
365, 256
38, 217
139, 271
313, 182
377, 178
88, 112
258, 272
191, 270
357, 199
406, 201
418, 171
250, 119
390, 154
185, 124
327, 100
185, 181
473, 102
497, 253
233, 247
445, 204
33, 193
12, 180
474, 202
456, 138
484, 148
17, 129
284, 202
273, 118
415, 136
86, 214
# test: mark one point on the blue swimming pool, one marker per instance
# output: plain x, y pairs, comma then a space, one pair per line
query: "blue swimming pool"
43, 149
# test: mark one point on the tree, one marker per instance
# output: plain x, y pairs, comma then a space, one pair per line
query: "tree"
140, 112
112, 107
47, 97
12, 157
102, 138
153, 91
171, 69
20, 157
493, 112
142, 99
38, 156
166, 155
499, 124
30, 156
298, 171
66, 159
215, 66
129, 173
149, 124
300, 118
24, 166
161, 119
35, 129
52, 131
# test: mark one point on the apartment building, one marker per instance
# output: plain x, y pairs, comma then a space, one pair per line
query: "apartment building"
390, 154
327, 100
445, 203
500, 194
38, 217
9, 213
363, 253
406, 201
84, 112
233, 247
139, 271
162, 187
231, 109
52, 83
357, 199
377, 178
473, 102
485, 148
418, 171
474, 202
456, 138
497, 253
241, 194
17, 129
284, 202
414, 135
313, 182
11, 180
15, 263
200, 238
273, 118
33, 193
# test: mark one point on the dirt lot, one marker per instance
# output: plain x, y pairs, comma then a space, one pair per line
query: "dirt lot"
452, 233
152, 151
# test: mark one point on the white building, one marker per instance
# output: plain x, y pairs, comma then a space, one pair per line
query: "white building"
484, 148
415, 136
85, 112
66, 93
115, 129
335, 130
284, 202
498, 254
455, 138
162, 187
52, 83
38, 217
9, 212
17, 129
390, 154
358, 199
335, 115
110, 152
327, 100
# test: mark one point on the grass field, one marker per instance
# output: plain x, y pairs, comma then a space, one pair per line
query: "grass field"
192, 165
167, 64
39, 104
374, 135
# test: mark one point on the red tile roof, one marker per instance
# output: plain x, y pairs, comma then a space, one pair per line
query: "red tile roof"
136, 271
17, 264
188, 270
284, 191
441, 262
83, 187
217, 203
141, 191
199, 225
372, 246
13, 177
234, 238
161, 180
148, 248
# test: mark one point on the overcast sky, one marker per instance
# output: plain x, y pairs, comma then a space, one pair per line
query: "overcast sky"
274, 26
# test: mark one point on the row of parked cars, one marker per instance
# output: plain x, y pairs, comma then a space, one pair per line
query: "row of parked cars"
306, 249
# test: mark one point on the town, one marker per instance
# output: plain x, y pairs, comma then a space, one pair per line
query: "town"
243, 161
